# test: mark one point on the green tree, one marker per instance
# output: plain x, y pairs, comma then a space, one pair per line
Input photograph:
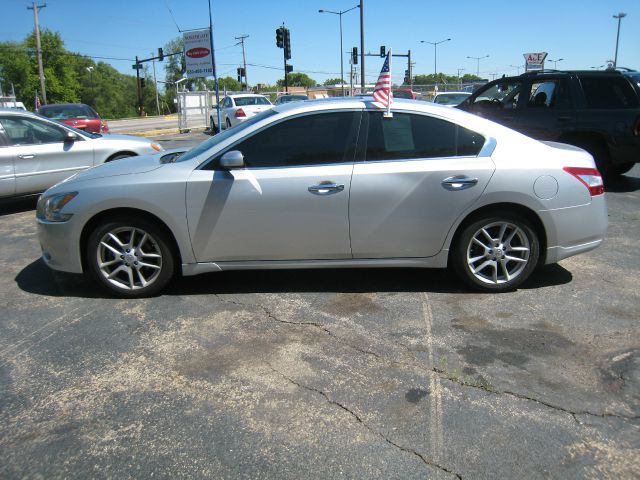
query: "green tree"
298, 80
332, 81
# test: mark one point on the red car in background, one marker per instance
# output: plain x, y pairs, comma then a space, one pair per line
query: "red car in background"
404, 93
76, 115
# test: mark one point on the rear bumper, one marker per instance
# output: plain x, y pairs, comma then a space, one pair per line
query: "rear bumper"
575, 230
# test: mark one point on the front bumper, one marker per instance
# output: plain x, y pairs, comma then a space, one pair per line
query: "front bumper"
60, 251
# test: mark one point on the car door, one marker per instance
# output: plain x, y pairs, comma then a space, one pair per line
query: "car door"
291, 200
7, 159
549, 108
418, 174
498, 101
43, 155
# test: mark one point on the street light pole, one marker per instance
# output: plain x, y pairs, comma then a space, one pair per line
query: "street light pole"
435, 55
39, 49
244, 59
555, 63
478, 60
620, 16
340, 13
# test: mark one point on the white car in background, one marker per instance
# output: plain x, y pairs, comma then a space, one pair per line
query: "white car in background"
451, 99
238, 108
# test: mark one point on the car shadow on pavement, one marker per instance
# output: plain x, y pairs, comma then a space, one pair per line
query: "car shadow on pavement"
38, 279
622, 184
17, 205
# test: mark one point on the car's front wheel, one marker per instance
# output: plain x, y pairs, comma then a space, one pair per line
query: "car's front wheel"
130, 258
496, 253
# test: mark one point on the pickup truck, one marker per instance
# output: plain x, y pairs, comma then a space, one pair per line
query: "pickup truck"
598, 111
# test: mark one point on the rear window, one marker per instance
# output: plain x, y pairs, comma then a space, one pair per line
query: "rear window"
609, 92
246, 101
64, 112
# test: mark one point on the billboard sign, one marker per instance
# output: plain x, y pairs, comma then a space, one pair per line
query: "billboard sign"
534, 61
197, 54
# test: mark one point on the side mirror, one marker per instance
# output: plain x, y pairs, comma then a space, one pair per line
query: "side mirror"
70, 137
232, 159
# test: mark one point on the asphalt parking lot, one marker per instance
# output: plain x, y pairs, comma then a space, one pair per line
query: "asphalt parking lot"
393, 373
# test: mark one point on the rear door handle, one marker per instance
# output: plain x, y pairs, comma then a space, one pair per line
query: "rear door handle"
459, 182
27, 155
326, 188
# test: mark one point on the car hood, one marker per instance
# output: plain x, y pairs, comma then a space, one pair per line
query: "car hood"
128, 138
123, 166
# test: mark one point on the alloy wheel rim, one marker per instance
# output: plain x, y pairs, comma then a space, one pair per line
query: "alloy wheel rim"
498, 253
129, 258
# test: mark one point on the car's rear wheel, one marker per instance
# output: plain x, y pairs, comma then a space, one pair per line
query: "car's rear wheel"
496, 253
130, 258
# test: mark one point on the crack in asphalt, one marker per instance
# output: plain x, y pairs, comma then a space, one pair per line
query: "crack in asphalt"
364, 424
442, 373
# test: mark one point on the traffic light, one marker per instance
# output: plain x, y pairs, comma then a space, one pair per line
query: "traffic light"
287, 44
407, 79
142, 82
160, 54
383, 51
354, 56
280, 37
288, 68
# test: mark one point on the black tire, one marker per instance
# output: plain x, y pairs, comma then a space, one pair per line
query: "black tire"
151, 259
622, 168
600, 153
482, 278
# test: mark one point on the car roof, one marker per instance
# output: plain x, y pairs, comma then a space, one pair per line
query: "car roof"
453, 93
64, 105
241, 95
15, 111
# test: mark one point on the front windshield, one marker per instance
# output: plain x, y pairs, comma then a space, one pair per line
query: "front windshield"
221, 137
451, 99
246, 101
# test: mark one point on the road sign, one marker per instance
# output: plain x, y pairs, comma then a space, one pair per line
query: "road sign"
197, 53
136, 66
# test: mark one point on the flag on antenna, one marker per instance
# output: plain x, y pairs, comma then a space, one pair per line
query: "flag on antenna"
382, 94
37, 103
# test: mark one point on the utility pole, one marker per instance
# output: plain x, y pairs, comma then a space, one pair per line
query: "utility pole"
138, 67
39, 49
244, 59
155, 82
459, 81
410, 65
362, 81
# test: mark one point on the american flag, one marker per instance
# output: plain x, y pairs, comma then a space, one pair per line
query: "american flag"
382, 93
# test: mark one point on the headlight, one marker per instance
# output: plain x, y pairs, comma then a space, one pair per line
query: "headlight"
49, 207
156, 147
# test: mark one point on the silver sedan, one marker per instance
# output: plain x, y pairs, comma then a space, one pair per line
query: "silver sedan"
331, 183
36, 153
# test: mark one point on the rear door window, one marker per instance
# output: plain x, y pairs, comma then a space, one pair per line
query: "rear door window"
550, 94
609, 92
409, 136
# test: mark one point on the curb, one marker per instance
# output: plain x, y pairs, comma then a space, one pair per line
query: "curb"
164, 131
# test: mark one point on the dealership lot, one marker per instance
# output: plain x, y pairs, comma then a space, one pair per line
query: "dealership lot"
323, 374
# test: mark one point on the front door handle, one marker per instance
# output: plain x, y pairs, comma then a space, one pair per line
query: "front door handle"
27, 155
459, 182
326, 188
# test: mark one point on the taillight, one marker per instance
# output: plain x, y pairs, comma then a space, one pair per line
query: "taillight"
589, 177
240, 113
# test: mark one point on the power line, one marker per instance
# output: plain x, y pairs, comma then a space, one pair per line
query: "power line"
172, 17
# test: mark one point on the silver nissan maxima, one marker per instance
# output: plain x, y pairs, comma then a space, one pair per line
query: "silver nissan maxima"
331, 183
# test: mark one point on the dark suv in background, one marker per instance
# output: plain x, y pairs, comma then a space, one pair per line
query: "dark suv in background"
598, 111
